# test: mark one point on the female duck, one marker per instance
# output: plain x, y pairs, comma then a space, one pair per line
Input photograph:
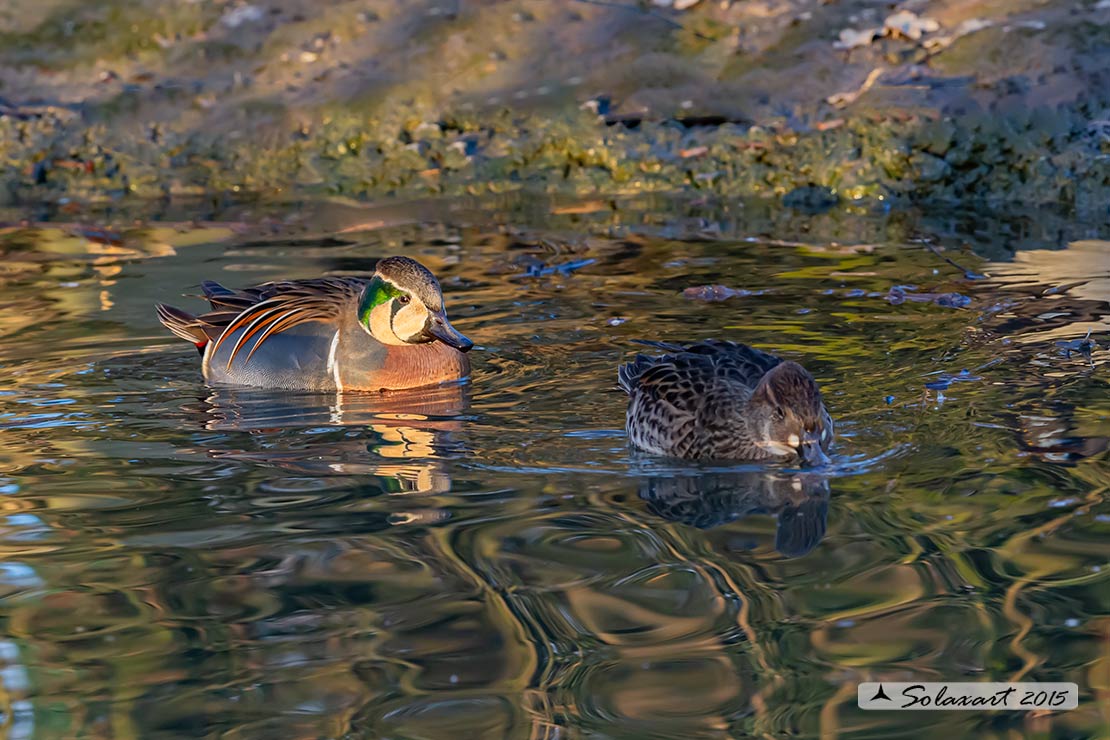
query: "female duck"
387, 332
725, 401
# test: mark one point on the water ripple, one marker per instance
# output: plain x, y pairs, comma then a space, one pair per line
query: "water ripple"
489, 559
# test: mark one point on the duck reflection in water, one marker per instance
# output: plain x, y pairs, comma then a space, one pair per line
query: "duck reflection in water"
351, 432
799, 502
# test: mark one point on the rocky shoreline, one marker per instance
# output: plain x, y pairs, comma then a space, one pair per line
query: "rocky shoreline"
818, 102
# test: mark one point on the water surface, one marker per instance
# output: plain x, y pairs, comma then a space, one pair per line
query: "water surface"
489, 560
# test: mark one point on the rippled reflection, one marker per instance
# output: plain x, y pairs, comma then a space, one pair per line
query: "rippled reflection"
489, 559
799, 503
416, 429
1066, 291
247, 408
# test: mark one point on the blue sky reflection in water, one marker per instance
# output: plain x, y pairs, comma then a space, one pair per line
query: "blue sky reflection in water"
490, 560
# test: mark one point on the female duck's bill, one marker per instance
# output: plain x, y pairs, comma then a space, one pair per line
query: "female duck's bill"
388, 332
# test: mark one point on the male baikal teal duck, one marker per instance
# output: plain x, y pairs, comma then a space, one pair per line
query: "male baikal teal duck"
385, 332
718, 400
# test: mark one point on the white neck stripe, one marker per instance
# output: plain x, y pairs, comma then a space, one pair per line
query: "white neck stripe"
333, 364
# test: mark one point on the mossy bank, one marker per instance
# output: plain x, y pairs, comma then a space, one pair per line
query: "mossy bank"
809, 101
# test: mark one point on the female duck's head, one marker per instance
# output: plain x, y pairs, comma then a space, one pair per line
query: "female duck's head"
403, 304
790, 416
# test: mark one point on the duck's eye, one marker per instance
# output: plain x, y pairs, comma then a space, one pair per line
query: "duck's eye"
778, 415
405, 299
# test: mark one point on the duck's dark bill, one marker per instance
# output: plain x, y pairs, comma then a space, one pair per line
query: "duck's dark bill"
812, 453
444, 332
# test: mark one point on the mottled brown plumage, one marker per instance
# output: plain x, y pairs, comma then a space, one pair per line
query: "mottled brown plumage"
722, 400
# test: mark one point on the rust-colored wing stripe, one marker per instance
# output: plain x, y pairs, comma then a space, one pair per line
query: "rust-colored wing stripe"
272, 308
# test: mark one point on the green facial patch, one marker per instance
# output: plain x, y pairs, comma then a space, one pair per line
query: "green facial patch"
377, 292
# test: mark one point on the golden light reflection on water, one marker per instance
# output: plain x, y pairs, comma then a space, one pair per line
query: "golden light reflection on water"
489, 560
1068, 289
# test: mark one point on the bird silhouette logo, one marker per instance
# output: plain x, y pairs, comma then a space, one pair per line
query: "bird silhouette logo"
880, 694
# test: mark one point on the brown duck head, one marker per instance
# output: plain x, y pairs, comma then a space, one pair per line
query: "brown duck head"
788, 415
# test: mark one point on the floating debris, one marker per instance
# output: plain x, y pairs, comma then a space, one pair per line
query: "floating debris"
590, 206
968, 274
899, 294
946, 379
712, 293
98, 235
1083, 347
952, 300
539, 269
